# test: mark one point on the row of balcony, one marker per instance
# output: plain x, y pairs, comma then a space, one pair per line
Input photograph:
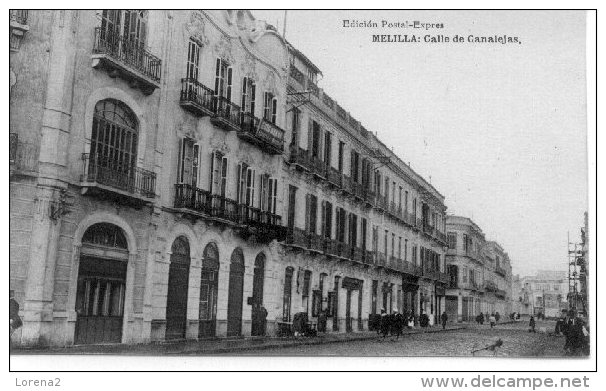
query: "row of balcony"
202, 101
192, 199
500, 271
307, 84
303, 160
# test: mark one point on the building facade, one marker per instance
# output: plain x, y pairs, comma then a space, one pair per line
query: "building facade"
479, 272
174, 173
546, 293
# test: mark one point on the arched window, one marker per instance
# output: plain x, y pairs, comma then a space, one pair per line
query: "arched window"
105, 234
114, 137
208, 291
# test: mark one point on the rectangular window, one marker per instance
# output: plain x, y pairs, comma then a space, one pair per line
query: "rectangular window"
326, 219
287, 294
315, 140
406, 201
305, 292
341, 152
373, 300
393, 241
465, 242
218, 174
452, 240
296, 126
311, 213
400, 198
188, 162
249, 88
406, 249
414, 208
327, 148
193, 60
364, 233
385, 240
269, 193
353, 229
375, 238
246, 184
270, 106
386, 189
399, 247
292, 192
223, 79
355, 166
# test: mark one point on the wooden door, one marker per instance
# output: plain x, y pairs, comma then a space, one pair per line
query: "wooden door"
208, 292
178, 282
348, 326
100, 301
258, 320
235, 296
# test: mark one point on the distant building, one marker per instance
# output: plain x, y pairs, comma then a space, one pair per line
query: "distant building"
546, 293
479, 272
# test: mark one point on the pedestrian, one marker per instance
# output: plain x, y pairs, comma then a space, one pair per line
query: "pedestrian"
497, 316
322, 321
423, 320
444, 320
14, 318
263, 318
411, 320
384, 323
532, 325
397, 322
481, 318
492, 320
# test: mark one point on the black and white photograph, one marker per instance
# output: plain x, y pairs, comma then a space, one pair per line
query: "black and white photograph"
378, 184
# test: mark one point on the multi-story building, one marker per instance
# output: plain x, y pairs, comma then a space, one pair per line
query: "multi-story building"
546, 292
169, 177
364, 230
479, 272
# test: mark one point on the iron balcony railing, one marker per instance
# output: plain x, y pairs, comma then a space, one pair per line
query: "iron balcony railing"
347, 184
296, 237
312, 87
501, 293
315, 242
393, 262
369, 196
357, 254
128, 52
334, 176
358, 190
330, 247
265, 133
299, 156
500, 271
318, 167
19, 16
296, 74
197, 96
227, 113
380, 202
115, 174
369, 257
381, 259
410, 268
214, 205
344, 250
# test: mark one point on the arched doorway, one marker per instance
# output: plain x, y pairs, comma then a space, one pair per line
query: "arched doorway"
208, 292
101, 285
235, 296
178, 283
258, 314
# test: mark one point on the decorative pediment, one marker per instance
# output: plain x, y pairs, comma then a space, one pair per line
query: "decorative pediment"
270, 83
223, 49
248, 67
196, 28
218, 144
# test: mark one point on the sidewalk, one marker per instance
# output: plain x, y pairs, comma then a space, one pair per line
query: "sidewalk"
218, 345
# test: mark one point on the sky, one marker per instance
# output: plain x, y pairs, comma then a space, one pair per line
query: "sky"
499, 130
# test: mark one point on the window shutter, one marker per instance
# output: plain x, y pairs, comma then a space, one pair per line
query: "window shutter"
309, 135
218, 78
229, 82
224, 172
323, 219
239, 184
180, 161
244, 99
195, 162
252, 92
212, 172
307, 210
274, 110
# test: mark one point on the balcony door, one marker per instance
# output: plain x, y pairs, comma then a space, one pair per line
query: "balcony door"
208, 292
178, 283
113, 152
235, 293
125, 31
